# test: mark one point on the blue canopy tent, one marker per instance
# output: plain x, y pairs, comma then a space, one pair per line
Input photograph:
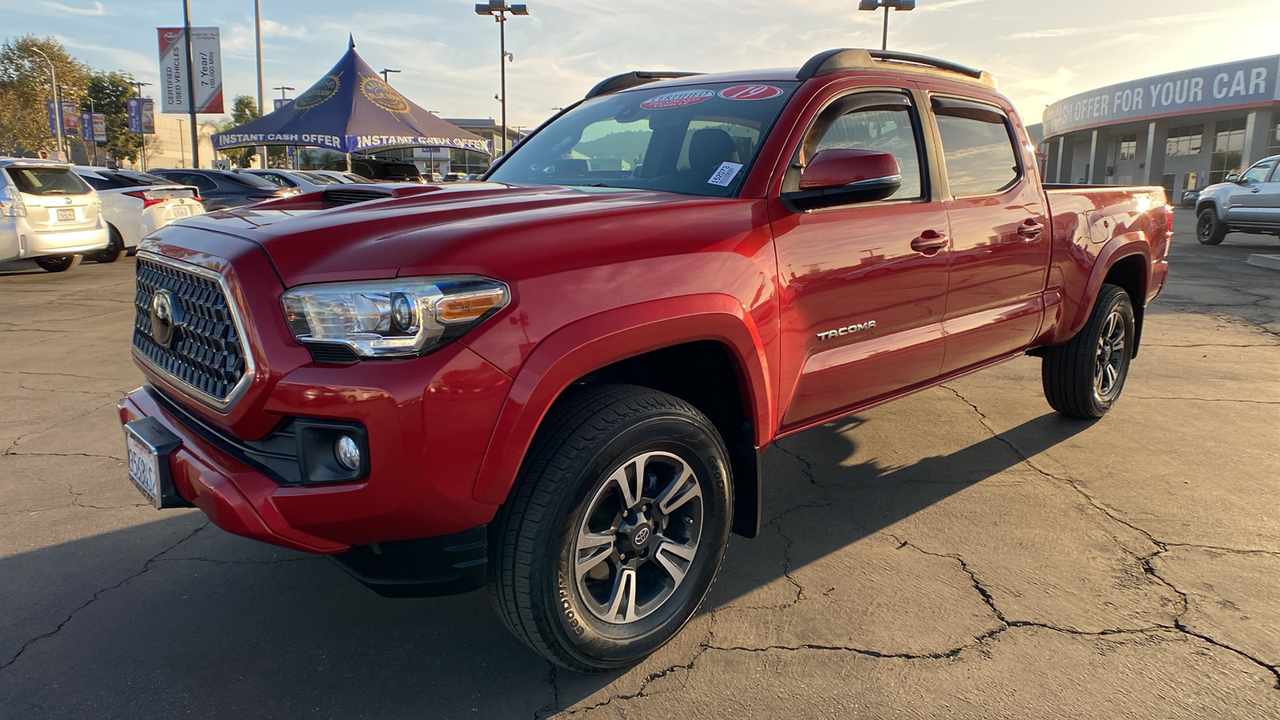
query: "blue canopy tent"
351, 109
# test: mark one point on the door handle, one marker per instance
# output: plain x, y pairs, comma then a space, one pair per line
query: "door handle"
929, 242
1030, 229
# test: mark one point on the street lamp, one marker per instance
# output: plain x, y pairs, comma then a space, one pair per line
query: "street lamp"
874, 5
282, 89
384, 74
57, 104
499, 9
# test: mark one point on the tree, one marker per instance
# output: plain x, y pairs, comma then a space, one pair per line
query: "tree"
25, 89
109, 93
244, 109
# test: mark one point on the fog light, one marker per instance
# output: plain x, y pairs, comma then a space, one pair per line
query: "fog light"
347, 452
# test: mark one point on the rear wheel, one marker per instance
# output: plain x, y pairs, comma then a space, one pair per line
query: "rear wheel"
114, 249
615, 529
1209, 229
1084, 377
58, 263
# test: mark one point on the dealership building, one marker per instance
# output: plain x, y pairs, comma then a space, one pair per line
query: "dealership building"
1183, 130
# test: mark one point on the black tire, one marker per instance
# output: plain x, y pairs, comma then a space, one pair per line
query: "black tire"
114, 249
1209, 229
622, 599
59, 263
1084, 377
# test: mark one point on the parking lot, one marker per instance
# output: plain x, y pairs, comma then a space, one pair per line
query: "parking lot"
961, 553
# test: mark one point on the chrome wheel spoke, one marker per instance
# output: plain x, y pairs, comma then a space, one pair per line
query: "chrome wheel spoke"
622, 600
630, 481
680, 492
592, 549
675, 559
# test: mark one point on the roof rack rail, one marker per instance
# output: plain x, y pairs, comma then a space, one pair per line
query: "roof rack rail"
853, 58
630, 80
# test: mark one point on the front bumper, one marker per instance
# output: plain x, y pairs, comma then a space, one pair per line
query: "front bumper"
428, 422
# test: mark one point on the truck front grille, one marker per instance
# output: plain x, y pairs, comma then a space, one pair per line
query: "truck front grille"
200, 347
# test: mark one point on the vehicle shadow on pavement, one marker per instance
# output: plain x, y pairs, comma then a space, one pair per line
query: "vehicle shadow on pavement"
213, 625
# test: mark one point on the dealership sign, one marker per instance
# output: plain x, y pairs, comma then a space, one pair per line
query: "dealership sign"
93, 126
142, 115
1217, 87
70, 118
207, 77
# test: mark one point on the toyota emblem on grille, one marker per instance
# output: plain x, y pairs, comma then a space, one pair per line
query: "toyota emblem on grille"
163, 318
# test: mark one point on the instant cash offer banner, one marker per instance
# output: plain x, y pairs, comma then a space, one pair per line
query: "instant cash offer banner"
206, 56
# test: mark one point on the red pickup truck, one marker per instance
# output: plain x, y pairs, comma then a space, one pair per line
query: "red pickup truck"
558, 382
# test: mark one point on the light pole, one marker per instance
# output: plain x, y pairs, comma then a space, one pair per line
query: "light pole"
499, 9
182, 151
57, 104
138, 86
262, 110
384, 74
282, 89
874, 5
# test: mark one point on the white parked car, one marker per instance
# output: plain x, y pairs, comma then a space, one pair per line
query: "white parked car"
47, 213
342, 177
134, 205
287, 178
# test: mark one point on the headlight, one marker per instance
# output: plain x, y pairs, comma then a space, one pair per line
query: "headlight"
392, 318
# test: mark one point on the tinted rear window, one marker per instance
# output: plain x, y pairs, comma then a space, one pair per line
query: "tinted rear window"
251, 180
47, 181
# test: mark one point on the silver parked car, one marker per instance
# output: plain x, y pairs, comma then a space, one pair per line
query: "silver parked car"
48, 213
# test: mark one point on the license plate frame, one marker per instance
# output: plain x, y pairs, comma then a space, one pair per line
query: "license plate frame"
66, 214
148, 447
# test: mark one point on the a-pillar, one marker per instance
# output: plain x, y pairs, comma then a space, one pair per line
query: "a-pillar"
1157, 140
1256, 141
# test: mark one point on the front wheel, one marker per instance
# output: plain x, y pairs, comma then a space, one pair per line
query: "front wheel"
114, 249
1209, 229
615, 529
1084, 377
58, 263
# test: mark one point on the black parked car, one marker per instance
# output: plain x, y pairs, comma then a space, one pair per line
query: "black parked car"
380, 170
220, 189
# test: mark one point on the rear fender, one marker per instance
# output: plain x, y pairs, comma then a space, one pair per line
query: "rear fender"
1116, 249
608, 337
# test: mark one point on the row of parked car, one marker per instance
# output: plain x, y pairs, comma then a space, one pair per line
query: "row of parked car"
57, 214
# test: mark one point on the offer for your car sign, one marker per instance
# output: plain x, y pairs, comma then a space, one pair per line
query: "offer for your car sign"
206, 56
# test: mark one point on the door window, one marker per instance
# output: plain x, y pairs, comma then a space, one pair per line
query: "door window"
977, 147
879, 121
1258, 173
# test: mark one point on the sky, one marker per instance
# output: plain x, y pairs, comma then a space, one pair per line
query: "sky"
1039, 50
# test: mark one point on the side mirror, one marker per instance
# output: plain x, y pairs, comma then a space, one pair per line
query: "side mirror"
842, 176
1233, 177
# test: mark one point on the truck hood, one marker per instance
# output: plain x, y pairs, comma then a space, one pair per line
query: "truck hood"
463, 229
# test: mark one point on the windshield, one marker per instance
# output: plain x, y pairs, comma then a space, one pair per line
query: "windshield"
252, 181
696, 140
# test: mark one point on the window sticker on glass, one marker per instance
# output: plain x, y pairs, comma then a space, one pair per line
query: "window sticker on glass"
725, 174
682, 98
750, 92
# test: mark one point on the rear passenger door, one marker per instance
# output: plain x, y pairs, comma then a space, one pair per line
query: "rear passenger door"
1000, 239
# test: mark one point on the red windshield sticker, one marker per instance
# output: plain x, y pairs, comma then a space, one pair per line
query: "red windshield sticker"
682, 98
750, 92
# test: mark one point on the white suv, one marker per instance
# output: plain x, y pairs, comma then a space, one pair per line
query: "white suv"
47, 213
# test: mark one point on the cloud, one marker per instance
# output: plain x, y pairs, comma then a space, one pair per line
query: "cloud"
953, 3
97, 8
1055, 32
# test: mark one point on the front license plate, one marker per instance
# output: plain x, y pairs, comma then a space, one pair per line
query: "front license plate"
181, 211
148, 445
144, 467
66, 215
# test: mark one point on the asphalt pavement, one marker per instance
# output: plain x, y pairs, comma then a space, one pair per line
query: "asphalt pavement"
961, 553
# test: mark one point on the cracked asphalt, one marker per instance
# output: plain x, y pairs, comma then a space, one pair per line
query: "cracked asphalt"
961, 553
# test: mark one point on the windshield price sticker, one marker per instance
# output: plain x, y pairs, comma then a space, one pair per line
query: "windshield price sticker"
751, 92
683, 98
725, 174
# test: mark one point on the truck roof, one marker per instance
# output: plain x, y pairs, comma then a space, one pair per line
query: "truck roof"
823, 63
